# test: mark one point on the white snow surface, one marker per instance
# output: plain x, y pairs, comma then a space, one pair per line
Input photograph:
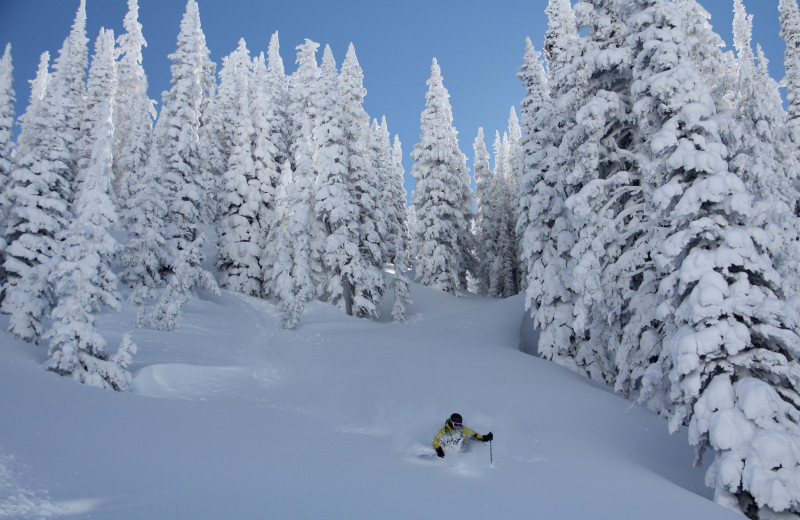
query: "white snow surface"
233, 417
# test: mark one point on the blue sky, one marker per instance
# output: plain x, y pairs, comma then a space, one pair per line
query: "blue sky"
479, 45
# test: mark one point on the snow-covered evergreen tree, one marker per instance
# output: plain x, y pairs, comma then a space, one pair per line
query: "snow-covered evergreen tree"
380, 148
40, 191
291, 241
790, 32
211, 135
82, 277
731, 340
219, 125
24, 139
70, 68
7, 116
442, 197
485, 219
394, 195
601, 183
544, 226
541, 224
334, 209
144, 257
240, 237
364, 185
762, 155
715, 65
497, 241
642, 337
133, 111
39, 83
503, 273
514, 157
515, 167
137, 168
101, 89
177, 141
270, 148
297, 243
215, 137
561, 33
398, 218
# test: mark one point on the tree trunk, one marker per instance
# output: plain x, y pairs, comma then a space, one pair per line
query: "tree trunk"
347, 289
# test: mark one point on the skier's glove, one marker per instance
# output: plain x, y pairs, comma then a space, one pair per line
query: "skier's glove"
440, 452
489, 436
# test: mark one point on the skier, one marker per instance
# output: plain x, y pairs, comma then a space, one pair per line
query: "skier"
455, 433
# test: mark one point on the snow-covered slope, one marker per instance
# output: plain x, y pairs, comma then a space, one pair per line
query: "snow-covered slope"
233, 417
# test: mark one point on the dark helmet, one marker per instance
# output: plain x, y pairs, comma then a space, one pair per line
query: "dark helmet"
454, 422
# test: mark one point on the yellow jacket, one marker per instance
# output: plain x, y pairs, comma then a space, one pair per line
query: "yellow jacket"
449, 436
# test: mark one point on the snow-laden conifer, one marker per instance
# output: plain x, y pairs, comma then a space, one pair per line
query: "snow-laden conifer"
380, 148
560, 35
790, 32
303, 115
395, 197
270, 147
544, 228
592, 107
761, 154
364, 184
82, 276
144, 257
293, 285
297, 241
214, 137
211, 136
503, 273
240, 237
716, 66
731, 340
642, 337
442, 197
541, 225
7, 116
137, 168
219, 125
485, 219
334, 208
515, 155
70, 69
515, 166
176, 136
40, 193
133, 111
399, 219
498, 241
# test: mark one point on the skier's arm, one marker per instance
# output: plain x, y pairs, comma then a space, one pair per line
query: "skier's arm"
471, 434
437, 445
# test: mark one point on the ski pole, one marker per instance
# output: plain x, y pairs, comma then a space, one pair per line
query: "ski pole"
491, 457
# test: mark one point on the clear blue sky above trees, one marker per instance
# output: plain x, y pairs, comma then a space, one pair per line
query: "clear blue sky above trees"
479, 45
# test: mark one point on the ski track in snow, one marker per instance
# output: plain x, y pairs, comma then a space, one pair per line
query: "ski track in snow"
19, 502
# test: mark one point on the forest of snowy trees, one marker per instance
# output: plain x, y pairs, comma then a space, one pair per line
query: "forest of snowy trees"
303, 191
659, 227
645, 200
